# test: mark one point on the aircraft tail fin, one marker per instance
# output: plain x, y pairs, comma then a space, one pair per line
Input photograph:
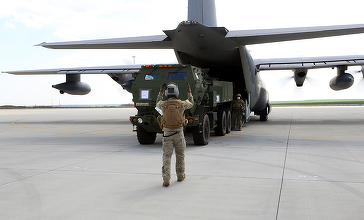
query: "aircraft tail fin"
202, 11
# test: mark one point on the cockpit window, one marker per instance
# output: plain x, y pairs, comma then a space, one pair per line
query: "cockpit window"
152, 76
177, 76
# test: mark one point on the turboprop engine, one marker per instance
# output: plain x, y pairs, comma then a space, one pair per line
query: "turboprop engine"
125, 80
342, 80
300, 76
73, 85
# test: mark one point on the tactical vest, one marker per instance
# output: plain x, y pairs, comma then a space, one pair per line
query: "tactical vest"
172, 114
238, 104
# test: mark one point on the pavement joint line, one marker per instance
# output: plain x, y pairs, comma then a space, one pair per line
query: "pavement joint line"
15, 123
56, 169
284, 166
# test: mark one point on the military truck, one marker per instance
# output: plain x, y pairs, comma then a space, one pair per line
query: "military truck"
211, 110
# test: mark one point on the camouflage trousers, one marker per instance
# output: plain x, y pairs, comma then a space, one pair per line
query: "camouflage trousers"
177, 142
236, 118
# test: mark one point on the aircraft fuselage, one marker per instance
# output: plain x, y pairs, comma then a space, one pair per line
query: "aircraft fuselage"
207, 47
204, 44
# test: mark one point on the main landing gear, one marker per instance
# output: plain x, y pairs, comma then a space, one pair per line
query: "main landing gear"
264, 114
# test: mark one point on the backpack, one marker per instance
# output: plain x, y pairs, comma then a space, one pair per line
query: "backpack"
172, 114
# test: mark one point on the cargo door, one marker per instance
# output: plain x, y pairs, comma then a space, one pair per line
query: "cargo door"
247, 108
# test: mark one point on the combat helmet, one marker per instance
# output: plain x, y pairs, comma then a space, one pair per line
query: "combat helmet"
172, 90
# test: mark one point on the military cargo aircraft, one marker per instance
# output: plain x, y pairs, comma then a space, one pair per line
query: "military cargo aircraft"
222, 53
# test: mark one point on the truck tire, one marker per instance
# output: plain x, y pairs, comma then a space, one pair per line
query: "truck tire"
220, 129
228, 121
145, 137
203, 137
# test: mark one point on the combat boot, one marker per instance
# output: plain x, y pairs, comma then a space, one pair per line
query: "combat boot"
239, 128
165, 183
181, 178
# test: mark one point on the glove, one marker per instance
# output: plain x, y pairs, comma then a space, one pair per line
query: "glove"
163, 88
188, 88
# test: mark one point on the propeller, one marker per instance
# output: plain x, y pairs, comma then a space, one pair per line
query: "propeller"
289, 85
359, 87
299, 78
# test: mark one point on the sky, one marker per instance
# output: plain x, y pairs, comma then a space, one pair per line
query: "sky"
25, 23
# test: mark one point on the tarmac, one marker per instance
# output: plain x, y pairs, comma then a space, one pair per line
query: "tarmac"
303, 163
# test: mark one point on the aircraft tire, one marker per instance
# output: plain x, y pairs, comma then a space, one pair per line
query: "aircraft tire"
202, 137
220, 130
145, 137
264, 115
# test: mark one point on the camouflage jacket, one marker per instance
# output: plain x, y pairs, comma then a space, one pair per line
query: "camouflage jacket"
237, 104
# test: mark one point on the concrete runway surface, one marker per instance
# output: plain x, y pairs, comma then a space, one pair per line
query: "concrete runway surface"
304, 163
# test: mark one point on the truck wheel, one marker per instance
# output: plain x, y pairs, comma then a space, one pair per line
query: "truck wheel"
220, 130
228, 121
203, 137
145, 137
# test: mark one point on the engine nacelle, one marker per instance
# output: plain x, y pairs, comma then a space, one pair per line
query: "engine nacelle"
125, 80
300, 76
73, 86
127, 85
342, 81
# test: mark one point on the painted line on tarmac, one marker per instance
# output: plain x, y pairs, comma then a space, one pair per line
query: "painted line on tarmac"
15, 123
293, 138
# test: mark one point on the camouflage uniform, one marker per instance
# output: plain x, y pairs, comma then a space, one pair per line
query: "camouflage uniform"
174, 138
237, 108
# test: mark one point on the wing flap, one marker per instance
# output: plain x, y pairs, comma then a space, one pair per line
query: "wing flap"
308, 62
147, 42
246, 37
122, 69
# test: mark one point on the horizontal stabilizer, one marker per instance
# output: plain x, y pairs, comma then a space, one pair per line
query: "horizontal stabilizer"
247, 37
147, 42
243, 37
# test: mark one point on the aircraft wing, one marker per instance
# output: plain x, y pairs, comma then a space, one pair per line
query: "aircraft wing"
308, 62
247, 37
122, 69
147, 42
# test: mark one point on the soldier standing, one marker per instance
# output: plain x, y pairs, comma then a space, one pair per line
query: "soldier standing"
237, 108
172, 123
